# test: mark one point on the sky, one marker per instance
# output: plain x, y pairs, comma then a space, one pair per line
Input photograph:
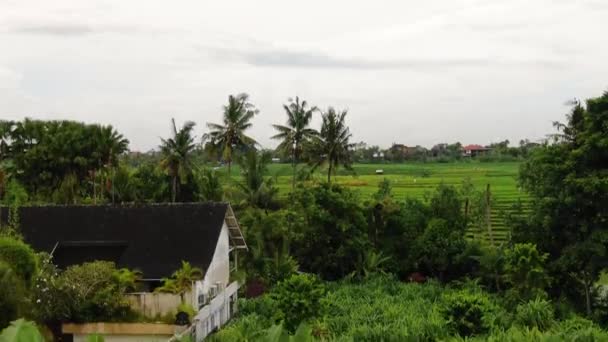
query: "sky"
411, 72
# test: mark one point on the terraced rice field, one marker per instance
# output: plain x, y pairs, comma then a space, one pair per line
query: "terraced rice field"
416, 179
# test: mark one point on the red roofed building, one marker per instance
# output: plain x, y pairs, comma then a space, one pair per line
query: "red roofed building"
474, 150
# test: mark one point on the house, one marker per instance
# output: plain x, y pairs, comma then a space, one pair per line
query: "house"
401, 152
474, 150
152, 238
439, 149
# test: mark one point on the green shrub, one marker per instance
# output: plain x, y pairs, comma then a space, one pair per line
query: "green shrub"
464, 312
82, 293
277, 333
20, 257
95, 338
384, 309
21, 331
49, 293
188, 309
299, 299
332, 232
96, 293
265, 306
245, 328
524, 268
10, 292
537, 313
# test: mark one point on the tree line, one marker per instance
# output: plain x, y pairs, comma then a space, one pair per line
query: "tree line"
72, 162
557, 251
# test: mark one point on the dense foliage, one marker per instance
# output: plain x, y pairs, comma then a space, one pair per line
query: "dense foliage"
21, 331
20, 257
324, 261
11, 291
568, 180
382, 309
89, 292
299, 298
57, 159
333, 232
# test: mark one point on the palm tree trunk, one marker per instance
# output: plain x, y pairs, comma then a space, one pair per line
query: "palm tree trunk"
174, 190
587, 297
113, 178
329, 173
293, 165
94, 188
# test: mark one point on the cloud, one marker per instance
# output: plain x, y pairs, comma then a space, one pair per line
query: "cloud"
71, 29
278, 58
55, 29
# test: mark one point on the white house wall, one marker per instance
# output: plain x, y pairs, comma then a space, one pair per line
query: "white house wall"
219, 268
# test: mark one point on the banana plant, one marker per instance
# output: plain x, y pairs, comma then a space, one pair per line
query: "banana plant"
277, 333
21, 331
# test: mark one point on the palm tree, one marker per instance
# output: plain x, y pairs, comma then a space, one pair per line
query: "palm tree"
332, 145
296, 132
181, 280
231, 134
209, 185
109, 145
177, 155
258, 190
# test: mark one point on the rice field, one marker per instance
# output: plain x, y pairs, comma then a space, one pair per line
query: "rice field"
414, 180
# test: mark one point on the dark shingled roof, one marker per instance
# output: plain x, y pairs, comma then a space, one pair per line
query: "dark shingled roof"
153, 238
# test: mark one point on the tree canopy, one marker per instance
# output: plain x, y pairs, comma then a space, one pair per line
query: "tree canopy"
568, 180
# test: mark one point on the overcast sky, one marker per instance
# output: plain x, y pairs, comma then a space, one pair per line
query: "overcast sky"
413, 72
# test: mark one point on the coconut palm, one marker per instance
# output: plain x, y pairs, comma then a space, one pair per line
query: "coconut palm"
109, 145
177, 155
181, 280
332, 145
296, 132
230, 135
258, 190
209, 185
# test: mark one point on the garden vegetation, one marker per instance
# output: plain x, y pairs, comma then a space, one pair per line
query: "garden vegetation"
325, 262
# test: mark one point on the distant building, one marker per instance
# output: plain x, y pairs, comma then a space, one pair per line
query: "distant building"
439, 149
403, 152
474, 150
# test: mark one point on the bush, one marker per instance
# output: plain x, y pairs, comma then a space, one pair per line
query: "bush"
83, 293
575, 324
268, 235
333, 231
21, 331
9, 295
188, 309
537, 313
95, 338
96, 293
52, 303
439, 247
264, 306
384, 309
299, 298
464, 312
524, 268
20, 257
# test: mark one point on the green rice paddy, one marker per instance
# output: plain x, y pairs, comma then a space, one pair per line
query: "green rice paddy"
414, 180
